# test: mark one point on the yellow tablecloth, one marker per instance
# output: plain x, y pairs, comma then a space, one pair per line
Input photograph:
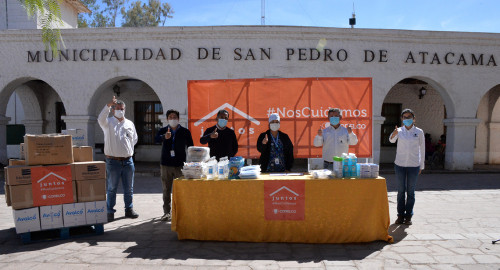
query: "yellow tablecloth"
336, 211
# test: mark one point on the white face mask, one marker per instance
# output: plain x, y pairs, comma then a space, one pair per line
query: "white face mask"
173, 122
274, 126
119, 113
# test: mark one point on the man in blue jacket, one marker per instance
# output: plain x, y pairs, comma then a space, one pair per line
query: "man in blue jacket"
175, 140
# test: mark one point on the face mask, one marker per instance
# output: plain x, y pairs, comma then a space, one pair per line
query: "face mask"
173, 122
119, 113
222, 122
408, 122
334, 120
274, 126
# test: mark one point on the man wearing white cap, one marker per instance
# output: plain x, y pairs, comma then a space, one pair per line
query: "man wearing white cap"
335, 139
275, 147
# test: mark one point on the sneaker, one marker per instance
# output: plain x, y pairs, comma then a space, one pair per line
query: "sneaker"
111, 217
408, 221
130, 213
166, 217
400, 220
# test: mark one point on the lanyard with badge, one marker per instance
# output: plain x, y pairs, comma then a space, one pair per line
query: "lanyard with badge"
172, 152
275, 143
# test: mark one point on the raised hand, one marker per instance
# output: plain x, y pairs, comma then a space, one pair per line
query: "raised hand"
113, 102
349, 129
214, 135
320, 132
265, 140
395, 132
168, 135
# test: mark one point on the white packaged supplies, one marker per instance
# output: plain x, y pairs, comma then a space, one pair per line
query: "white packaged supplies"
197, 154
193, 170
321, 174
250, 172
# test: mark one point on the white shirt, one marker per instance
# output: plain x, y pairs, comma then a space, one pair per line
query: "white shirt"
411, 147
119, 136
335, 141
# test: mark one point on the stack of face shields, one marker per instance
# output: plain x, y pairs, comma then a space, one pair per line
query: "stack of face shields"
193, 170
197, 154
250, 172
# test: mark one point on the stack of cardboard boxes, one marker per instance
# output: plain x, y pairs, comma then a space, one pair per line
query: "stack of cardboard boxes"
56, 185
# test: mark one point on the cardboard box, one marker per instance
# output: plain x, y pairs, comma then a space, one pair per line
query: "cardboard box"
79, 136
7, 194
96, 212
89, 170
18, 175
27, 220
74, 214
48, 149
21, 196
91, 190
17, 162
51, 217
83, 153
52, 185
21, 151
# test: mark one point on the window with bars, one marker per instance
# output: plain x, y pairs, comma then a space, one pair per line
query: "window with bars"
392, 113
146, 120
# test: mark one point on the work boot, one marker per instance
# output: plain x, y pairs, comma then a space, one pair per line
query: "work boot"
130, 213
400, 220
408, 221
111, 217
166, 217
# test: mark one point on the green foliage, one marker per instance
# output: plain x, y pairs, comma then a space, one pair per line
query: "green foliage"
49, 16
143, 15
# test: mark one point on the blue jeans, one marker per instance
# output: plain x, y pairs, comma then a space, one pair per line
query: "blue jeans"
116, 170
407, 180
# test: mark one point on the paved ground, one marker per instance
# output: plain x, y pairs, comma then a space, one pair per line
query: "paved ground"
456, 218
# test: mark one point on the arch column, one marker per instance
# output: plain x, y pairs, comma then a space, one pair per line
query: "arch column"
3, 139
377, 127
494, 151
460, 140
33, 126
84, 122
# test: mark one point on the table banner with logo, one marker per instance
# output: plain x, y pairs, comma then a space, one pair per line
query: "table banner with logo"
284, 200
52, 185
302, 104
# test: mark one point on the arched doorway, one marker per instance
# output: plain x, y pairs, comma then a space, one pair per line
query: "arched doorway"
487, 147
143, 107
34, 107
426, 101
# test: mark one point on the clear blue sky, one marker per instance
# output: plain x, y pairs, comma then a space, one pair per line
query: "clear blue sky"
438, 15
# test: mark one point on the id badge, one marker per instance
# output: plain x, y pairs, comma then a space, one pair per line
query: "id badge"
277, 161
172, 153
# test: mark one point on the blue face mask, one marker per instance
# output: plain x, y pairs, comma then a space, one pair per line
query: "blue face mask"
334, 120
222, 122
408, 122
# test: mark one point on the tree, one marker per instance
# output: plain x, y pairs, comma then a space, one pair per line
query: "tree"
49, 16
112, 9
142, 15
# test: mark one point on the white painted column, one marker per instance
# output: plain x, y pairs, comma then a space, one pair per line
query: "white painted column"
460, 139
494, 145
33, 126
85, 122
377, 127
3, 139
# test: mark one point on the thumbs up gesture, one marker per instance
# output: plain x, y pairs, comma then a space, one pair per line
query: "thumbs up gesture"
265, 140
168, 135
320, 132
214, 135
112, 102
395, 130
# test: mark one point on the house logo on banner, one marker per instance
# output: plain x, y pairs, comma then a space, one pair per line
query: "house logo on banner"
284, 200
226, 106
51, 185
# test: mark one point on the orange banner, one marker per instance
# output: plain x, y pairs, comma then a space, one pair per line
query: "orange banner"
302, 104
284, 200
51, 185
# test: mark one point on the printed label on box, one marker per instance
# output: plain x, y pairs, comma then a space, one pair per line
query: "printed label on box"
52, 185
51, 217
74, 214
27, 220
95, 212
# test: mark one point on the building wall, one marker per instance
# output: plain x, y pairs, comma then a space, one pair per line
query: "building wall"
82, 85
16, 17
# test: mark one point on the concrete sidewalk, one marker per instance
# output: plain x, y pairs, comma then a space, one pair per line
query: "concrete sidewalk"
456, 218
